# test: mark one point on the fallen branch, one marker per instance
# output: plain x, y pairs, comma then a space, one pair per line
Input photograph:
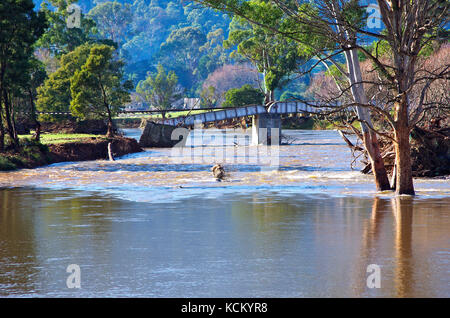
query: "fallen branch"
349, 143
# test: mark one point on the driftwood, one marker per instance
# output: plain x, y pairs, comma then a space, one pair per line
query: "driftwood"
394, 177
430, 151
349, 143
110, 154
218, 172
287, 140
367, 168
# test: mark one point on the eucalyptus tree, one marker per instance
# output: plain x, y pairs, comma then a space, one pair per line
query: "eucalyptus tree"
98, 88
62, 37
181, 52
160, 90
20, 27
113, 20
408, 26
54, 95
275, 56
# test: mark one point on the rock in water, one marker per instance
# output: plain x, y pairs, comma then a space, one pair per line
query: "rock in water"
218, 172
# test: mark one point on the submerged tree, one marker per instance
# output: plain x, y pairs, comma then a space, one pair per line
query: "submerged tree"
409, 26
97, 89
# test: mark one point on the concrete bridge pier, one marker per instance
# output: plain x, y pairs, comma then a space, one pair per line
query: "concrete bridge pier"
266, 129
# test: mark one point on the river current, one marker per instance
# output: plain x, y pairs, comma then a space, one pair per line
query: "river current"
288, 221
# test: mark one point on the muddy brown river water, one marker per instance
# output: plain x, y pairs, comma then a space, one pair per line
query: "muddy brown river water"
298, 222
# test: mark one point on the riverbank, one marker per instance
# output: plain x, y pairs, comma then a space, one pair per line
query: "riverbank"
33, 154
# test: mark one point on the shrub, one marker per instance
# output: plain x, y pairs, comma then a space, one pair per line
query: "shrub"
246, 95
6, 165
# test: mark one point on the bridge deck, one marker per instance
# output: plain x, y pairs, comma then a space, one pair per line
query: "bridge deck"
213, 116
218, 114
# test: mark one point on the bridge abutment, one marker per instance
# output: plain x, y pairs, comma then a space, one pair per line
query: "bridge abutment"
266, 129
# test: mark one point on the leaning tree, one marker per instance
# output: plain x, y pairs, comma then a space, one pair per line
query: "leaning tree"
408, 27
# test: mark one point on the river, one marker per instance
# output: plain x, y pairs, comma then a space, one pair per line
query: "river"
295, 222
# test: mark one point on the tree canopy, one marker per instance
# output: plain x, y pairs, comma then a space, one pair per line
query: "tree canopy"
246, 95
275, 56
97, 88
160, 90
20, 28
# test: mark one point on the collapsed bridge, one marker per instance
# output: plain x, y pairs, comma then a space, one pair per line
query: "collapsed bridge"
266, 121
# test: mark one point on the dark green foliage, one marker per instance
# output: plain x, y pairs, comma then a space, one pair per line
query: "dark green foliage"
20, 27
97, 89
181, 53
59, 38
30, 154
6, 164
246, 95
160, 90
275, 56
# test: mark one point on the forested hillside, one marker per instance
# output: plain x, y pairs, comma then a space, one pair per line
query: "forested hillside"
182, 36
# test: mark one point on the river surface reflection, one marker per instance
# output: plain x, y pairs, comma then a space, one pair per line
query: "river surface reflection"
145, 226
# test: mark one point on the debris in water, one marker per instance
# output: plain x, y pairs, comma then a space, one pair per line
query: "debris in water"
218, 172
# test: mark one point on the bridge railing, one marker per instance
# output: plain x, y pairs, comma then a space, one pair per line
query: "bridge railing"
218, 114
237, 112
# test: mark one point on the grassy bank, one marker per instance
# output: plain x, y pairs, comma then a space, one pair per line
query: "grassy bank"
53, 139
31, 154
64, 147
169, 114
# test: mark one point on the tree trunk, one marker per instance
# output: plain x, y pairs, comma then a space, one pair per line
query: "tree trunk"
357, 89
269, 97
2, 128
37, 135
404, 180
379, 170
370, 139
110, 131
10, 122
2, 134
110, 153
